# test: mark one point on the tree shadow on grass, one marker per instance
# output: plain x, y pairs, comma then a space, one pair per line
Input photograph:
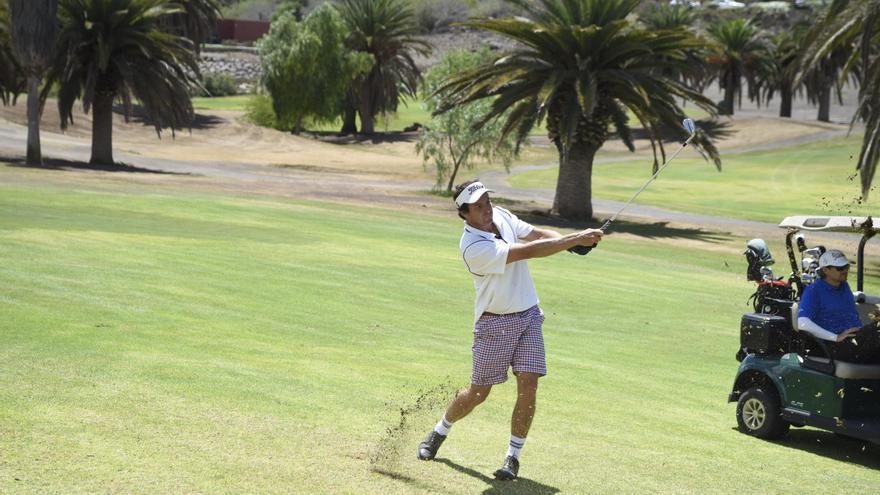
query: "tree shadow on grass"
377, 138
826, 444
519, 485
654, 230
200, 121
61, 164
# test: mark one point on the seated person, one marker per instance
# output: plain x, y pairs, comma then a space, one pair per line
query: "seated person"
828, 311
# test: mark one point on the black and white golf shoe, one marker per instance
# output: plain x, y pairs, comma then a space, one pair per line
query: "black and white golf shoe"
509, 470
430, 445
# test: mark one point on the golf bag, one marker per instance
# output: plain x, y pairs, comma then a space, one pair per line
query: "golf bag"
773, 297
759, 259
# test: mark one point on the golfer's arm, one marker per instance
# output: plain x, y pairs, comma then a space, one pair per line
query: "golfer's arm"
809, 326
537, 233
540, 248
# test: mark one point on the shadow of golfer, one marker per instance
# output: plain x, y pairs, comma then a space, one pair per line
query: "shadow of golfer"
519, 485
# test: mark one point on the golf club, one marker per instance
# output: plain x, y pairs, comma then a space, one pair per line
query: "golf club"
691, 129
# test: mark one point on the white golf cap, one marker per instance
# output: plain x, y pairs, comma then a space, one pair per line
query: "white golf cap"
833, 257
471, 194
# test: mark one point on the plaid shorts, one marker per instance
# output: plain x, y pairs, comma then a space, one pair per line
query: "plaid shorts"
513, 340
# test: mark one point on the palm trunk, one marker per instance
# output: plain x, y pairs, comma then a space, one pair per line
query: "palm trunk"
574, 185
366, 114
729, 96
824, 114
102, 129
34, 113
785, 107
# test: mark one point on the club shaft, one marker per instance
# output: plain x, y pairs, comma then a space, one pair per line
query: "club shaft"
650, 180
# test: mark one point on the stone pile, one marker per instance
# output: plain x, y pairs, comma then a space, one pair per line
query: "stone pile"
244, 68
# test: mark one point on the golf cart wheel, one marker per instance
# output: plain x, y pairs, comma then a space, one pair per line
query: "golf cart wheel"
758, 414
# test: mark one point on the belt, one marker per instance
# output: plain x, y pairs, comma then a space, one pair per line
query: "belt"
486, 313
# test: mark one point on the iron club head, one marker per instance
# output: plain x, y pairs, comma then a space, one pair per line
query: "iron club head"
689, 126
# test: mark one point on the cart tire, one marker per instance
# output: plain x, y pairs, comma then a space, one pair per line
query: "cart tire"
758, 414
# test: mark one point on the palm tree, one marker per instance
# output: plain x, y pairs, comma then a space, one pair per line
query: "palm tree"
855, 25
12, 80
739, 50
581, 65
197, 21
34, 32
823, 79
664, 17
115, 49
782, 68
386, 29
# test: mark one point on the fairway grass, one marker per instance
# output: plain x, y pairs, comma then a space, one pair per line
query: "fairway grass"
816, 178
160, 341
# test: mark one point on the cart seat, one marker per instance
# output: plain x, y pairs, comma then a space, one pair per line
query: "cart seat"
851, 371
842, 369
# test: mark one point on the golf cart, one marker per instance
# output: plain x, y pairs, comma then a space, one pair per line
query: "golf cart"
786, 377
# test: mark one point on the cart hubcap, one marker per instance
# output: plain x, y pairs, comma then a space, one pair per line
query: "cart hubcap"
754, 414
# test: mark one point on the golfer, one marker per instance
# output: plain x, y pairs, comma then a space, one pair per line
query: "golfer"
828, 311
507, 328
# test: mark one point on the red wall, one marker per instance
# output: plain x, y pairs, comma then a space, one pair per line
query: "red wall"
244, 31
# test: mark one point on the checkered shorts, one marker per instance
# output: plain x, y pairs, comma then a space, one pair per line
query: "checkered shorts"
513, 340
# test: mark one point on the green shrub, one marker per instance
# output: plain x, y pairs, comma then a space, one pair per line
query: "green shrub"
216, 84
432, 15
259, 111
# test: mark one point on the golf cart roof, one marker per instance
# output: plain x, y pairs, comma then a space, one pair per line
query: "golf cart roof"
829, 224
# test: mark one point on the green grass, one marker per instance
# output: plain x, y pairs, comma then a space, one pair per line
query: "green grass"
817, 178
162, 341
237, 103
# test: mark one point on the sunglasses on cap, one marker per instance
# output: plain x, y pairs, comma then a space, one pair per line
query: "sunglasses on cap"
840, 268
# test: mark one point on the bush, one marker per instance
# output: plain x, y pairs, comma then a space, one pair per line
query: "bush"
259, 111
494, 8
433, 15
216, 84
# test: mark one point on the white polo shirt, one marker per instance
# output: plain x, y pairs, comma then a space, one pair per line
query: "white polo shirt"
501, 287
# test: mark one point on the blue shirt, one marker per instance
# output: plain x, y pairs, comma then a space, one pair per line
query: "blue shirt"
832, 308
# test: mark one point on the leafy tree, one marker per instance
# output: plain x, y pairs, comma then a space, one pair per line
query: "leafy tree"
34, 34
115, 49
12, 80
307, 69
450, 140
739, 51
386, 30
855, 25
581, 66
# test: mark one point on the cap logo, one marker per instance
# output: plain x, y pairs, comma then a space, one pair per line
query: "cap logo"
468, 192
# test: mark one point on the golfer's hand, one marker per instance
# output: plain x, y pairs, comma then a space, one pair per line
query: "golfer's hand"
847, 334
589, 237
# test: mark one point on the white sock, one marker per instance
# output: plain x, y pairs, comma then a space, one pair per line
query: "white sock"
443, 426
516, 445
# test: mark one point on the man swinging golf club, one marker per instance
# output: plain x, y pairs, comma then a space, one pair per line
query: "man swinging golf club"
507, 328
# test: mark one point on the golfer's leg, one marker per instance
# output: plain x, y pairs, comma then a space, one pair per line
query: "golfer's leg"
524, 410
466, 400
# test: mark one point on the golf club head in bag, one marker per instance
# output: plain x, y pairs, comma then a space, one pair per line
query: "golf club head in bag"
691, 128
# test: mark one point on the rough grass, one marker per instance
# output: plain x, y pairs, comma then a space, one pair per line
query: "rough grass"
157, 341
